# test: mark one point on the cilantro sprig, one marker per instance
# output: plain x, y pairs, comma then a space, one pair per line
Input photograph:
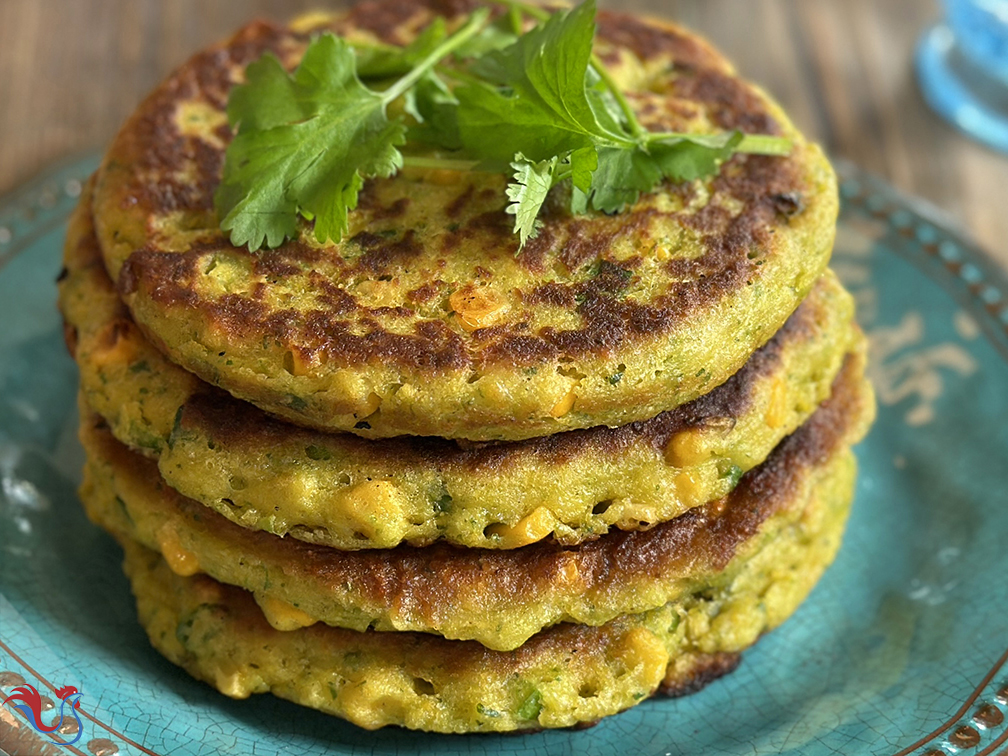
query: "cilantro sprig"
307, 141
536, 105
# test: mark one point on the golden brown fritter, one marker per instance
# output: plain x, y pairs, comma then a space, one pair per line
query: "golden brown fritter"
563, 676
351, 493
501, 597
424, 320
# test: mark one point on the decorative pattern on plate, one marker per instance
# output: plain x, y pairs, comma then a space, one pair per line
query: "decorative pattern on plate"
907, 365
900, 650
25, 739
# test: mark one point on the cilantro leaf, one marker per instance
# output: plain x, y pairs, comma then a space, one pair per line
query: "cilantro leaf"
495, 36
387, 61
531, 98
603, 104
538, 105
583, 163
303, 146
532, 182
306, 141
692, 157
434, 107
623, 175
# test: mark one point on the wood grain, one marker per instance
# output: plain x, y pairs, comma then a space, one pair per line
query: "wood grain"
71, 70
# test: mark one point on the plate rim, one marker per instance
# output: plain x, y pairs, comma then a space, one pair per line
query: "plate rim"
40, 204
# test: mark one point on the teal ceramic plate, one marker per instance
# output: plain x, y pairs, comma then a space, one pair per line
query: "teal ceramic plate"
902, 649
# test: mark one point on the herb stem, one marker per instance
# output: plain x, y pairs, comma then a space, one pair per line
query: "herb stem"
636, 129
436, 163
539, 14
760, 144
752, 144
469, 29
515, 18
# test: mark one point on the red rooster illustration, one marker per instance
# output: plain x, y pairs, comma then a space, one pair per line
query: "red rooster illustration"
26, 699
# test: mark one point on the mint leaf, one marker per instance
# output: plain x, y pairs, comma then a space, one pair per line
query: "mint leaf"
604, 106
532, 182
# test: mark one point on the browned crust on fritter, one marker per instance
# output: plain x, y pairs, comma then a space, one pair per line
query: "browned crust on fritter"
706, 669
607, 321
343, 332
429, 581
648, 41
239, 425
576, 642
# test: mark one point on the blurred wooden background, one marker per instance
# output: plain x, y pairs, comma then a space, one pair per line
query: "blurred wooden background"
71, 70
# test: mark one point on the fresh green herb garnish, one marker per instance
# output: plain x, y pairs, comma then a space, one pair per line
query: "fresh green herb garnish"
306, 142
387, 61
537, 106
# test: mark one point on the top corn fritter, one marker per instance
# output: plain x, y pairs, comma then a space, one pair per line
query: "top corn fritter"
426, 318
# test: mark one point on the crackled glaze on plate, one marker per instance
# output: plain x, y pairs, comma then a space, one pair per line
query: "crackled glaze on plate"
901, 649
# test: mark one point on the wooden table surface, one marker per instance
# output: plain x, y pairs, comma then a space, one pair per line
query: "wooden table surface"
71, 70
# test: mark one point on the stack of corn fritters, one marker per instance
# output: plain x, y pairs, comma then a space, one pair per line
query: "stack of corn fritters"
422, 478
